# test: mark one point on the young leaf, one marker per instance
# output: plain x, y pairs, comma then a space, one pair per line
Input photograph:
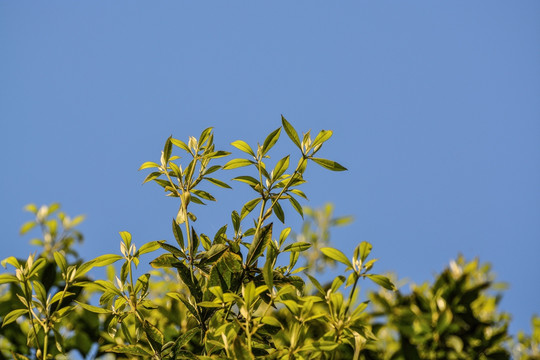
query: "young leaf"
365, 249
336, 255
148, 164
329, 164
321, 137
177, 231
293, 135
148, 247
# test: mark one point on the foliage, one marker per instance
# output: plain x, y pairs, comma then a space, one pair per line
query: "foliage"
43, 290
456, 317
216, 297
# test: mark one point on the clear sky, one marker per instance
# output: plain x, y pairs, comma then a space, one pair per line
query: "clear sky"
435, 108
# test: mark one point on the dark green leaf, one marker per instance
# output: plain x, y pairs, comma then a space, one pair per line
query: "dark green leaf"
298, 246
165, 260
172, 249
258, 244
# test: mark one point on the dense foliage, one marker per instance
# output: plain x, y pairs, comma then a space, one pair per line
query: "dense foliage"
248, 291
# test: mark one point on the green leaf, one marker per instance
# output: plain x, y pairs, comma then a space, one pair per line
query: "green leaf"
178, 235
182, 145
203, 194
93, 309
172, 249
31, 208
12, 261
153, 334
322, 136
236, 163
248, 207
191, 283
296, 205
148, 164
19, 356
336, 255
243, 146
107, 259
7, 278
165, 260
382, 281
151, 176
217, 182
289, 129
279, 212
248, 180
149, 247
317, 284
130, 350
167, 149
283, 236
329, 164
281, 166
13, 315
270, 320
298, 246
205, 135
259, 244
126, 236
186, 337
365, 249
29, 225
270, 140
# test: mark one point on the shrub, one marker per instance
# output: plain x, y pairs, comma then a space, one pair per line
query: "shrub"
220, 296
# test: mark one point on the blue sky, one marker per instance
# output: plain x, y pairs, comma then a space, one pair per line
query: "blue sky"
434, 106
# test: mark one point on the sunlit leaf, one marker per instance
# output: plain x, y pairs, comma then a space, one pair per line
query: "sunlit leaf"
243, 146
336, 255
329, 164
270, 140
289, 129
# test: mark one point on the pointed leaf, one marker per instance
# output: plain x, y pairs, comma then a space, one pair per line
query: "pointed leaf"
329, 164
289, 129
236, 163
336, 255
270, 140
243, 146
259, 244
